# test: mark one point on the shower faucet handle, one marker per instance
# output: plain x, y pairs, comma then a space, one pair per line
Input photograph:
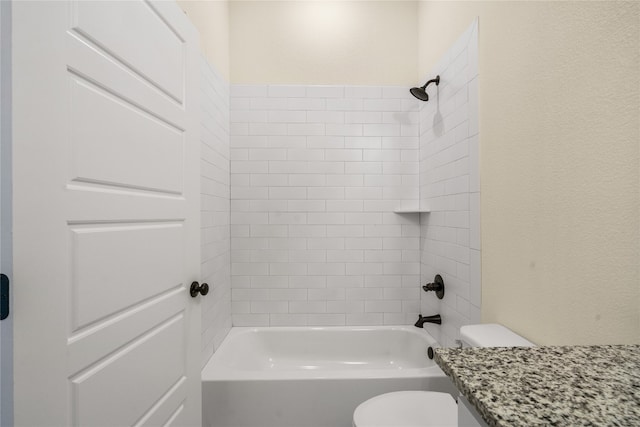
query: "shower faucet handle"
437, 285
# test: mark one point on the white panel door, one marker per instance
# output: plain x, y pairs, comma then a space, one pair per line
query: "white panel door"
106, 208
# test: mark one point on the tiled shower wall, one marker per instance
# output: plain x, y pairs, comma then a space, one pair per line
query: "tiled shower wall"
316, 173
450, 188
215, 236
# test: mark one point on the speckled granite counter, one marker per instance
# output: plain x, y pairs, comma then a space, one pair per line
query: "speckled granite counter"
559, 386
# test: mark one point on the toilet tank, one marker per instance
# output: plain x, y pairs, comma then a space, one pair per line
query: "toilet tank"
491, 335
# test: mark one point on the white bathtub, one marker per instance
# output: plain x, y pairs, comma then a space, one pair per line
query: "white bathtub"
313, 377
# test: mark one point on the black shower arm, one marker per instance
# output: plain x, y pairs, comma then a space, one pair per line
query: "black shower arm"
436, 81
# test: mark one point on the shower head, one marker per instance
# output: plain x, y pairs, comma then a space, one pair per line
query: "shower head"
420, 92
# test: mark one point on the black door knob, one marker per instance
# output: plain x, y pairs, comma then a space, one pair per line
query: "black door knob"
198, 288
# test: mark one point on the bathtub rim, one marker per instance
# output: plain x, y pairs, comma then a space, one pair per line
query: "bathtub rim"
210, 372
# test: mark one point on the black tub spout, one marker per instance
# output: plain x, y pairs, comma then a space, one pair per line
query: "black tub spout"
428, 319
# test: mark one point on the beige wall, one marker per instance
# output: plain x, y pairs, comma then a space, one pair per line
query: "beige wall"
559, 157
211, 18
324, 42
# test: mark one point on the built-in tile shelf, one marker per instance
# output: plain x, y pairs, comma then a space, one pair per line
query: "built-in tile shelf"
411, 210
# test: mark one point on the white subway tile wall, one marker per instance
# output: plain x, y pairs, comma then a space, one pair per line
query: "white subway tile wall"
215, 209
316, 172
450, 189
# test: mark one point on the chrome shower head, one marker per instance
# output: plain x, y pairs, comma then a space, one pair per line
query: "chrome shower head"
421, 93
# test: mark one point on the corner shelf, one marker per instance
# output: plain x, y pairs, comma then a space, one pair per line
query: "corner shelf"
410, 210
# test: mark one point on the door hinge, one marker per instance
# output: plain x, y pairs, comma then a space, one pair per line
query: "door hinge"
4, 297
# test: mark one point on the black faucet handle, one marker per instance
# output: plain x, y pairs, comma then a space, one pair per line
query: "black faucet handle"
437, 285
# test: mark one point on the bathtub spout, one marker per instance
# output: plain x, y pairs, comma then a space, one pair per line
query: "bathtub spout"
428, 319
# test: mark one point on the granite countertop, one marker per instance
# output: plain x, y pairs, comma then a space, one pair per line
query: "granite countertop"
558, 386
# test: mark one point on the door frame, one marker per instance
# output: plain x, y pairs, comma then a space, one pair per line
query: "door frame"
6, 209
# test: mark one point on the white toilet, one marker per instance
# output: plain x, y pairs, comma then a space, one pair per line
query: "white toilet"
430, 408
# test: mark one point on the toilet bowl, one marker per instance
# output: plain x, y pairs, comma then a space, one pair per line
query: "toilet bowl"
429, 408
407, 409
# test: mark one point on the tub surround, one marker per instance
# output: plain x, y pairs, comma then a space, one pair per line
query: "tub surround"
214, 204
573, 385
450, 188
316, 173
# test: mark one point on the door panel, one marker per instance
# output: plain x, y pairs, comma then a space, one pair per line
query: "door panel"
93, 64
120, 266
130, 367
95, 341
141, 38
106, 201
111, 131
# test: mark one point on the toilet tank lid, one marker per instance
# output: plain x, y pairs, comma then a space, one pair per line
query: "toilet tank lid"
492, 335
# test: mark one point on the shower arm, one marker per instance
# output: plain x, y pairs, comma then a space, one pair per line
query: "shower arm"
436, 81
